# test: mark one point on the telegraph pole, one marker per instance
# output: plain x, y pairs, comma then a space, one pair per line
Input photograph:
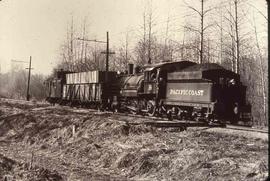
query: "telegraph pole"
107, 57
268, 25
107, 53
28, 82
29, 74
201, 52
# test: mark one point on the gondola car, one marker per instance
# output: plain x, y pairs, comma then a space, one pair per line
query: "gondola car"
90, 89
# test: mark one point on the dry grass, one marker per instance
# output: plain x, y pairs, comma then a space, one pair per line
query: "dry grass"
101, 147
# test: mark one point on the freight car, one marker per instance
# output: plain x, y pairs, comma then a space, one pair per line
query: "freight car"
93, 89
182, 90
54, 86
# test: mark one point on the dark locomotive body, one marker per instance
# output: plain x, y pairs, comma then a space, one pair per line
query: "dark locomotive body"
182, 90
205, 91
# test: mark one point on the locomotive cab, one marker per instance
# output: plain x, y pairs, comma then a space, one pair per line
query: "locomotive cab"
150, 80
155, 76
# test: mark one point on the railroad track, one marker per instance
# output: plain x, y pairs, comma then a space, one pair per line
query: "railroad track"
164, 122
244, 128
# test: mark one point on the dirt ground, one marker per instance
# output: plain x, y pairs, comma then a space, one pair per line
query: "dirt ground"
43, 142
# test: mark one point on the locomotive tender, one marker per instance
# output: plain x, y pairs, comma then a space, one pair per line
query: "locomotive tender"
182, 90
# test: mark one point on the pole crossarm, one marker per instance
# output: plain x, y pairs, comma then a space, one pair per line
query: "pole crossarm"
98, 41
105, 52
19, 61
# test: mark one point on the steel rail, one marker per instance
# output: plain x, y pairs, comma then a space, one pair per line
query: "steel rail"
164, 122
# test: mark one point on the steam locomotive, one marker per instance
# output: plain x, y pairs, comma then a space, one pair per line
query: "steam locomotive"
181, 90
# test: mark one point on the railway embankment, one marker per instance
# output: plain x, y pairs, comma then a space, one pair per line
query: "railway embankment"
40, 141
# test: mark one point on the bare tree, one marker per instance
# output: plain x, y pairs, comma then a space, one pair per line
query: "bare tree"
145, 46
235, 20
67, 55
80, 55
150, 24
167, 49
15, 85
70, 39
202, 15
126, 52
123, 55
262, 71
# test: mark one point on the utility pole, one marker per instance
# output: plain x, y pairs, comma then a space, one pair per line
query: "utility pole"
29, 74
149, 41
95, 55
237, 37
201, 52
107, 52
28, 82
268, 19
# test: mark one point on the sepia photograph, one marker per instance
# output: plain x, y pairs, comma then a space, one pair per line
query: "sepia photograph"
139, 90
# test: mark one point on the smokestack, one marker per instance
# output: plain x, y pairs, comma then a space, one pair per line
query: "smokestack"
130, 68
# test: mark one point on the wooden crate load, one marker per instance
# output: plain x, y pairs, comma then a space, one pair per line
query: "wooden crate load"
82, 92
86, 86
83, 77
89, 77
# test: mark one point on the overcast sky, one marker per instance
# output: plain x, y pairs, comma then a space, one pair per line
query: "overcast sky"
38, 27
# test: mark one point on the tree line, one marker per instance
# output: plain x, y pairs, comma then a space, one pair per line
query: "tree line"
13, 84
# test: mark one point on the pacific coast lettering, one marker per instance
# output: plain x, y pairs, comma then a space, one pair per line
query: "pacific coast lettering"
186, 92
